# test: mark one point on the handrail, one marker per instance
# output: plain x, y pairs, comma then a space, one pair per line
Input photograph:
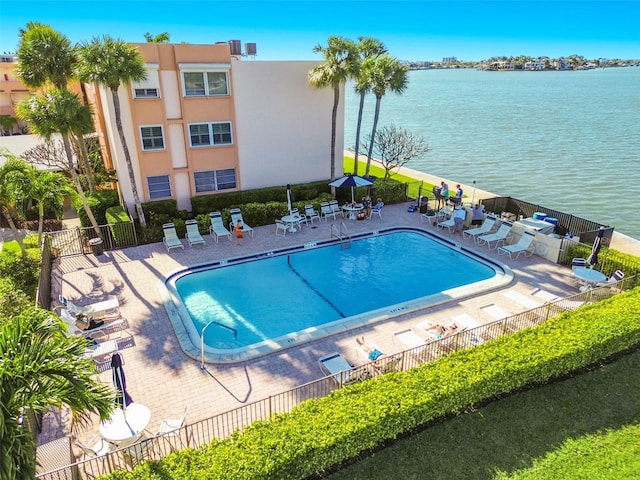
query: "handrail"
235, 335
342, 234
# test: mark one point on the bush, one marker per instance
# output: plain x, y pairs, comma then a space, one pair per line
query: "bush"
119, 223
99, 203
321, 433
23, 271
156, 212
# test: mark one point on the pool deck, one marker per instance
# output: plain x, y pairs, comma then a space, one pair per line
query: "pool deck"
162, 377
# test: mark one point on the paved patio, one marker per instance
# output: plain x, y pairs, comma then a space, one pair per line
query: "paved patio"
162, 377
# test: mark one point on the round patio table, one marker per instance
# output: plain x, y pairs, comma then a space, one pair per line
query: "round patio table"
588, 275
125, 424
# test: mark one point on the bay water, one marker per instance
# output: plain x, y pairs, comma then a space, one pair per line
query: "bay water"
567, 140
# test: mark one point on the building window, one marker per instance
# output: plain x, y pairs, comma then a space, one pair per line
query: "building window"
145, 92
200, 84
212, 180
152, 138
159, 187
207, 134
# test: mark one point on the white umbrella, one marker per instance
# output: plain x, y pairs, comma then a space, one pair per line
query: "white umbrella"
289, 198
351, 181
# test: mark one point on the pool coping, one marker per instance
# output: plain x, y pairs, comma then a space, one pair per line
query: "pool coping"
190, 341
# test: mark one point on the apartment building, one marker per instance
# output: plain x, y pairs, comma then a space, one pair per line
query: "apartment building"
206, 121
12, 92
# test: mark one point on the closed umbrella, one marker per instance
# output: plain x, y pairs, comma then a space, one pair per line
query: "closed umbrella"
289, 198
595, 249
119, 381
351, 181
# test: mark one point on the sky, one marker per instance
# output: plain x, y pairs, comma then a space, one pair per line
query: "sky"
417, 30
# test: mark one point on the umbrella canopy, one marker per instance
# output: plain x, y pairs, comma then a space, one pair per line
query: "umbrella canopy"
289, 198
351, 181
119, 381
595, 249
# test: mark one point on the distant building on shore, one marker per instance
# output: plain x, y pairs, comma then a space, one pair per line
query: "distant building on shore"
449, 59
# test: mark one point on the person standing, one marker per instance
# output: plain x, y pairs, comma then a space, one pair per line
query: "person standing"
459, 191
477, 214
459, 216
444, 191
238, 231
366, 203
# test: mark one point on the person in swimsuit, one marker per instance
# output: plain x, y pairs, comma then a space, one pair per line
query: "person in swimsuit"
238, 231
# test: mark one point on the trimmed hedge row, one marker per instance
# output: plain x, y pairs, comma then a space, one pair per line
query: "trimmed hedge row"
118, 221
324, 432
610, 260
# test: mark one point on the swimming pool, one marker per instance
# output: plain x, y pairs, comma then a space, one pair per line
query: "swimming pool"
254, 305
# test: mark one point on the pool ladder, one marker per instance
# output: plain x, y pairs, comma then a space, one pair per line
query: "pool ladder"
342, 235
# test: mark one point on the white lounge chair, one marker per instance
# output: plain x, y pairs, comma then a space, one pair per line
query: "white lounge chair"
217, 228
118, 324
95, 310
336, 366
236, 214
193, 234
448, 224
466, 322
310, 213
525, 301
524, 246
170, 238
503, 233
326, 211
486, 227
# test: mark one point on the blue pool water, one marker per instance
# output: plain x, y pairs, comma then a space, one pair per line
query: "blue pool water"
286, 293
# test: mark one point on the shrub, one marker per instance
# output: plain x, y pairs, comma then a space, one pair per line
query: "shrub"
119, 223
156, 212
324, 432
99, 203
23, 271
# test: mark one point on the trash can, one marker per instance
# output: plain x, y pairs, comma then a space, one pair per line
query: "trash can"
96, 246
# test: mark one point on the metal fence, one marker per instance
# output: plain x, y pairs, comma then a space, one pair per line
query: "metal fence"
223, 425
76, 241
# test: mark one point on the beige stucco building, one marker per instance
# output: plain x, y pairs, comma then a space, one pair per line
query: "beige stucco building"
206, 121
12, 90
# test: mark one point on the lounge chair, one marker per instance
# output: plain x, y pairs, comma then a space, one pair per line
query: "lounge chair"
503, 233
472, 327
193, 234
170, 428
171, 239
495, 312
236, 214
523, 300
310, 213
485, 228
95, 310
448, 224
281, 227
217, 228
524, 246
326, 211
376, 210
544, 295
336, 366
118, 324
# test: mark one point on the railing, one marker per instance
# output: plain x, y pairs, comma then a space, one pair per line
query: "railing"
343, 234
212, 322
75, 241
223, 425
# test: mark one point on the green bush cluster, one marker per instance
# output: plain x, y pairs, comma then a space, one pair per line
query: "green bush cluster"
23, 271
609, 261
99, 203
118, 221
321, 433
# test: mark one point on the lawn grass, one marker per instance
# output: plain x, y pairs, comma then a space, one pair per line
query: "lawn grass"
533, 434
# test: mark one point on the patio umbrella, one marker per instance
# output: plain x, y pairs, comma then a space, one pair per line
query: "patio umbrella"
595, 249
119, 381
289, 198
351, 181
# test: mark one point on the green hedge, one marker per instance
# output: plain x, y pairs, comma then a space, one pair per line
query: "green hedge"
609, 261
118, 221
99, 203
321, 433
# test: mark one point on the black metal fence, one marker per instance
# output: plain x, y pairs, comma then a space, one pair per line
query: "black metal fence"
82, 240
223, 425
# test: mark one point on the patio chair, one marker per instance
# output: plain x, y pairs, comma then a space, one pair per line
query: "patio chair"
300, 219
236, 214
193, 234
578, 263
335, 208
94, 448
335, 365
217, 228
448, 224
95, 310
326, 211
140, 452
170, 238
503, 234
485, 228
281, 227
524, 246
377, 210
170, 428
310, 213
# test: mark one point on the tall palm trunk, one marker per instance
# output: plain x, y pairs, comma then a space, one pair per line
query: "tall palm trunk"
84, 158
7, 216
334, 121
373, 134
78, 184
127, 157
359, 124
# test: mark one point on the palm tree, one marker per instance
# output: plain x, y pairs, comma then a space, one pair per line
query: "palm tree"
58, 110
42, 366
340, 62
111, 63
13, 177
159, 38
386, 74
47, 188
46, 56
368, 47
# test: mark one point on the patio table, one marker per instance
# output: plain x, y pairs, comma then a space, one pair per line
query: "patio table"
126, 424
